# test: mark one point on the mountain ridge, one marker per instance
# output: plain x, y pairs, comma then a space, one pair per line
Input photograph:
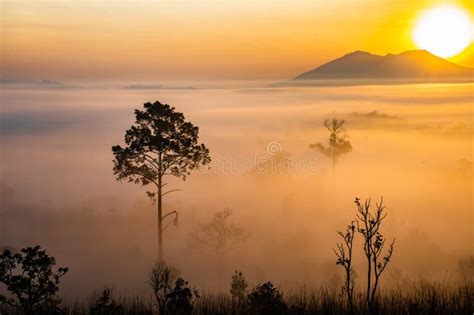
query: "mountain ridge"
408, 65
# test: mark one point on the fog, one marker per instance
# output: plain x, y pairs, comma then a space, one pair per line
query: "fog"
412, 144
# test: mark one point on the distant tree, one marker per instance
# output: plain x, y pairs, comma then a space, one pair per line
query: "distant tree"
219, 236
266, 299
279, 163
105, 304
338, 145
160, 143
344, 258
30, 278
368, 225
238, 286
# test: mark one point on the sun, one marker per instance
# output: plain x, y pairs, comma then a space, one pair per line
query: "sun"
444, 31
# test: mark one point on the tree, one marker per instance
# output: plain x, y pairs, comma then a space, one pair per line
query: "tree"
181, 299
160, 143
161, 279
338, 145
219, 236
105, 304
238, 286
30, 278
368, 225
266, 299
344, 258
172, 293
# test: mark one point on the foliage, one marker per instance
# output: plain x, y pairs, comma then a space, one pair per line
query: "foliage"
30, 278
172, 293
181, 299
105, 304
161, 279
238, 286
266, 299
160, 143
338, 143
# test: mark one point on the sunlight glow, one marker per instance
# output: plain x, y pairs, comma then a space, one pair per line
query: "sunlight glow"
444, 31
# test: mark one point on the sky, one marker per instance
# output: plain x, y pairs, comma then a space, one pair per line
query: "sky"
144, 40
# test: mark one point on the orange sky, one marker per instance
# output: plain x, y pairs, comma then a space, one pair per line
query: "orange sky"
139, 40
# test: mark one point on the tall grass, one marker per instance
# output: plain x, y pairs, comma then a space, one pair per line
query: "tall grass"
409, 297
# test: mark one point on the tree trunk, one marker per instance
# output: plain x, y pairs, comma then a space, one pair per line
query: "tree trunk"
369, 273
334, 160
348, 287
221, 271
160, 222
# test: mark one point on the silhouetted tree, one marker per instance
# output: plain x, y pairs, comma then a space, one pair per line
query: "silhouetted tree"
161, 279
344, 258
266, 299
181, 299
219, 236
30, 278
160, 143
105, 304
238, 286
338, 145
172, 293
368, 225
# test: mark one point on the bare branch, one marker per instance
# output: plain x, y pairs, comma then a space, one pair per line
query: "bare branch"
170, 191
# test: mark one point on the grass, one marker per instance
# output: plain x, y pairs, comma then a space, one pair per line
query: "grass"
410, 297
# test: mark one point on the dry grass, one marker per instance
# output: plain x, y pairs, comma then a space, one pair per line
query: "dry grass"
409, 297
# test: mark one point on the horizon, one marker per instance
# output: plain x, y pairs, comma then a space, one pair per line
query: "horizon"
147, 84
87, 40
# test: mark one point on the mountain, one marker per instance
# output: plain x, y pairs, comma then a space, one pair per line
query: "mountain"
414, 65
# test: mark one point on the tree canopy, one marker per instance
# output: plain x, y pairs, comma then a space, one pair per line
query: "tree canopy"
161, 142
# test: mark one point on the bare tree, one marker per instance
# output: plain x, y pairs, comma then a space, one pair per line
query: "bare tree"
338, 145
162, 280
368, 225
344, 258
219, 236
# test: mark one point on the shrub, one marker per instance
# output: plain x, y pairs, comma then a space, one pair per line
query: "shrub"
105, 304
238, 286
181, 299
172, 293
30, 278
161, 280
266, 299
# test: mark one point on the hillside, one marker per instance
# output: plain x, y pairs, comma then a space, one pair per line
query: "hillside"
417, 65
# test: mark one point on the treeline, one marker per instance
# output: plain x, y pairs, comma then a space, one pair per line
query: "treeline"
34, 291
